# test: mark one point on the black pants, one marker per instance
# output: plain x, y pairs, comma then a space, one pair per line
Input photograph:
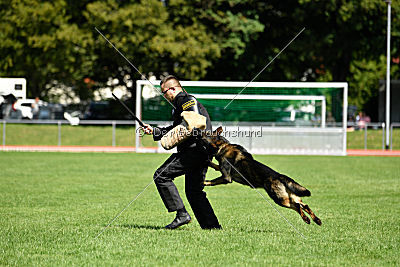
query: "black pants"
194, 165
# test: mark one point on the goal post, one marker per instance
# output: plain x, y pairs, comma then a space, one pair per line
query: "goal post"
266, 118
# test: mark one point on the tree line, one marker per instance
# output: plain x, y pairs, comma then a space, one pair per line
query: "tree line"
54, 43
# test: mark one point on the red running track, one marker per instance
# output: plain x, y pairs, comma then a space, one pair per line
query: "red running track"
373, 152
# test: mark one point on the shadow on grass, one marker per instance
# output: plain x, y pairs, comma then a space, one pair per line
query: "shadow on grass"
256, 230
154, 227
138, 226
150, 227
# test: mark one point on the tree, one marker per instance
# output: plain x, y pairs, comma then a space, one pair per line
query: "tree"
38, 42
184, 37
54, 42
352, 44
343, 41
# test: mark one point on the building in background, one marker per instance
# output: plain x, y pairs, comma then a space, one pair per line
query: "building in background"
394, 101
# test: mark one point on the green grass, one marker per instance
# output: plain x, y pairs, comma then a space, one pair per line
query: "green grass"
356, 139
54, 204
28, 134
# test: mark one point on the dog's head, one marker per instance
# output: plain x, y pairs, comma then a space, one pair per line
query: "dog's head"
214, 140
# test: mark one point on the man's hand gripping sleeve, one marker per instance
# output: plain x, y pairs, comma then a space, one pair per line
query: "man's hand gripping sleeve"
159, 132
181, 132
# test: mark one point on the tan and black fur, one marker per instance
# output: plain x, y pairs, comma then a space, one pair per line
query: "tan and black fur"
235, 163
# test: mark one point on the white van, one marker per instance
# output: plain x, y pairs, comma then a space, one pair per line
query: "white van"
11, 89
13, 86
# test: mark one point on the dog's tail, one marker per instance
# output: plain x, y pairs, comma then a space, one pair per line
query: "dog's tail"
296, 188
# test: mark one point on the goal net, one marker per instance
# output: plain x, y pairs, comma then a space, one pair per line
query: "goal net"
265, 118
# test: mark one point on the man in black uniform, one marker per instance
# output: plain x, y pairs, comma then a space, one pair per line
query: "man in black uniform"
191, 160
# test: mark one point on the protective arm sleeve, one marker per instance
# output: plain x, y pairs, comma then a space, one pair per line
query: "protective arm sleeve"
183, 131
159, 132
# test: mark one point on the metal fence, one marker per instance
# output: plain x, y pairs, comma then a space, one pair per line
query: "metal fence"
394, 124
375, 126
59, 123
114, 123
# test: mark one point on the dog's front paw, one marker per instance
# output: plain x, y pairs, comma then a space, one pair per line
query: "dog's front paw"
214, 166
208, 183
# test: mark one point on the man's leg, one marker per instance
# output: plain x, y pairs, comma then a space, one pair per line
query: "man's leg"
163, 178
194, 185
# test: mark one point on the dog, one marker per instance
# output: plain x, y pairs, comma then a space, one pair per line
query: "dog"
236, 164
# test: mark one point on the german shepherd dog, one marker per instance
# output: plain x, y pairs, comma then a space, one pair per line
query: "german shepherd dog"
236, 164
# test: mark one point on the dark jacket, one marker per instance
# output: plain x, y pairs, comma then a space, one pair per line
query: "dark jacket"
183, 102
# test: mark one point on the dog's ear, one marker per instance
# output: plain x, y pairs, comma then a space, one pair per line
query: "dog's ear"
218, 131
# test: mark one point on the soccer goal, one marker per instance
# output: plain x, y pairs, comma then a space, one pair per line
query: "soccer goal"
265, 118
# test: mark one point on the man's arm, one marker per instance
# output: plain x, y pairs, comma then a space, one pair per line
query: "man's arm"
157, 132
188, 103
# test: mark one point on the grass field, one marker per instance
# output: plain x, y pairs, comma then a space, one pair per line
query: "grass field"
54, 204
27, 134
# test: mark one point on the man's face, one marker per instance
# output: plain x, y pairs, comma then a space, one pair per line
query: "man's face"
170, 89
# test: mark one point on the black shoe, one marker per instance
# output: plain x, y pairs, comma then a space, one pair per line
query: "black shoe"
180, 219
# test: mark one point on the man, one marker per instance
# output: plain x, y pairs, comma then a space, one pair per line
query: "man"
191, 160
35, 109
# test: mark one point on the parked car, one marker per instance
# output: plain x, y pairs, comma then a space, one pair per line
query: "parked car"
27, 107
51, 112
97, 111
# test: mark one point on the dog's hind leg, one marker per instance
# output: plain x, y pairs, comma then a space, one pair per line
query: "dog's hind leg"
307, 209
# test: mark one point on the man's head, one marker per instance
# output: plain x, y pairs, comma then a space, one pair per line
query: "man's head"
170, 87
